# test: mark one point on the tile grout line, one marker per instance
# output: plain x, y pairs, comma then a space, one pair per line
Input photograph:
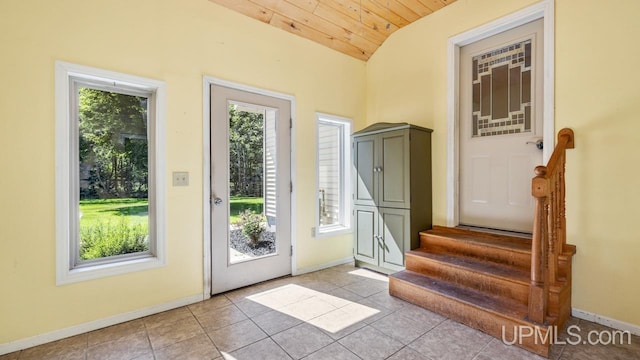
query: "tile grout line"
425, 333
482, 349
153, 350
146, 332
86, 348
405, 346
203, 330
264, 330
561, 352
259, 327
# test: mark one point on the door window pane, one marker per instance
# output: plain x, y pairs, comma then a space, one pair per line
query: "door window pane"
252, 181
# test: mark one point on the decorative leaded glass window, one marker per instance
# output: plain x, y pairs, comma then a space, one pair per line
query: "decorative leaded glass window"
502, 89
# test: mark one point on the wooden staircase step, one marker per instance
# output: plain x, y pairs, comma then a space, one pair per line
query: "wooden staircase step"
487, 276
500, 236
522, 244
482, 280
510, 250
504, 271
485, 312
462, 294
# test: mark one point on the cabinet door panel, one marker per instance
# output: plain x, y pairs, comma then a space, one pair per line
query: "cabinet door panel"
395, 232
394, 177
365, 178
366, 228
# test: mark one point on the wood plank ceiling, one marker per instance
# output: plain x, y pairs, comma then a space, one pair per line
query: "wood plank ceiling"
353, 27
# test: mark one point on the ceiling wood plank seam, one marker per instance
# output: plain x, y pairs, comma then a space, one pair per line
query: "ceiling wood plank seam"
353, 27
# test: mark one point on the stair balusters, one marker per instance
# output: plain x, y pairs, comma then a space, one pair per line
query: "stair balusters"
549, 226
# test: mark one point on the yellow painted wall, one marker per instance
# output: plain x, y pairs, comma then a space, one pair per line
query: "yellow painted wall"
176, 41
597, 95
180, 41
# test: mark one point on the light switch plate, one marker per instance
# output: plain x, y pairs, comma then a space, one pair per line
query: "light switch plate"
180, 178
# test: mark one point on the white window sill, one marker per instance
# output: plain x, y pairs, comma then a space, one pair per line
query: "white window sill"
97, 271
330, 231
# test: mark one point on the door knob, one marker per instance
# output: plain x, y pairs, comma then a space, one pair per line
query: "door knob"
217, 201
537, 142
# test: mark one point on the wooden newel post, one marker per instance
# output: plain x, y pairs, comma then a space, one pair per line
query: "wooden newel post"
539, 286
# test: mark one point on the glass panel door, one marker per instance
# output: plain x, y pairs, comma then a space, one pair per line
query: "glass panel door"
251, 198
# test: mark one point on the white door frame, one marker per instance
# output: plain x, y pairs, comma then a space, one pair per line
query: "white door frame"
206, 166
543, 9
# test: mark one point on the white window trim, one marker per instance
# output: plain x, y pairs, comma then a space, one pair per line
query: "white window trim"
345, 226
65, 274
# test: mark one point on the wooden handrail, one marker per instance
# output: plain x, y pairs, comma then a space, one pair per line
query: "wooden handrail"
549, 226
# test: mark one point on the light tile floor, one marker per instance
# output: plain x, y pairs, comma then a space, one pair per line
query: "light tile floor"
341, 313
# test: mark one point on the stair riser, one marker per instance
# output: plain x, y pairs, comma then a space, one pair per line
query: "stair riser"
559, 305
467, 314
444, 245
488, 283
507, 238
564, 266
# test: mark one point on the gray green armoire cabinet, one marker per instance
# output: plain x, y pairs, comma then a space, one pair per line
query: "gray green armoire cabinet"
391, 193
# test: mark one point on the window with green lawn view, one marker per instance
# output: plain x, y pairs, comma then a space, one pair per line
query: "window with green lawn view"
110, 206
113, 173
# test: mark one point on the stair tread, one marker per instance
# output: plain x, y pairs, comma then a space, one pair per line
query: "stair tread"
472, 297
501, 270
522, 245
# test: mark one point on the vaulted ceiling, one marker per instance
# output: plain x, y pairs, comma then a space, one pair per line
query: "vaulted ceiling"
353, 27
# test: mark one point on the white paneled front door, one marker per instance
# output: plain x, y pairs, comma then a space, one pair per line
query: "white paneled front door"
501, 121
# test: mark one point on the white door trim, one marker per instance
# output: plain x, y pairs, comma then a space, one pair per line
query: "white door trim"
206, 166
543, 9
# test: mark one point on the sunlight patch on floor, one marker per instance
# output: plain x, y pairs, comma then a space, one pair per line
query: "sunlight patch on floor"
370, 275
324, 311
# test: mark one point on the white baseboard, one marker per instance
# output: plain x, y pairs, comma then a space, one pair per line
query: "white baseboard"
95, 325
606, 321
309, 269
